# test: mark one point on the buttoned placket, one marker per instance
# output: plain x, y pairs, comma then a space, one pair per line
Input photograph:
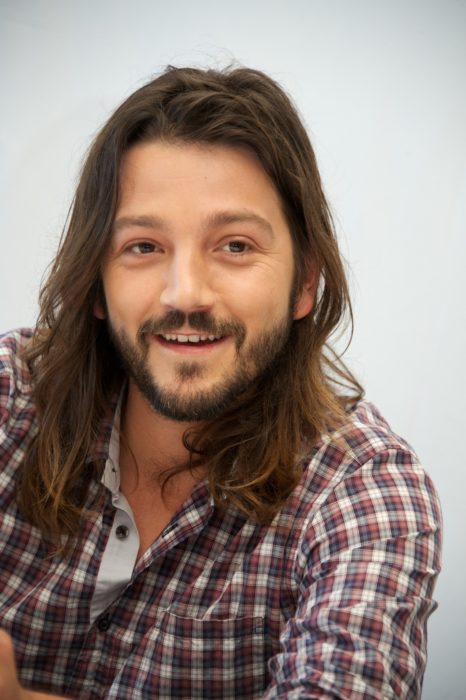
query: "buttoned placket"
120, 555
119, 561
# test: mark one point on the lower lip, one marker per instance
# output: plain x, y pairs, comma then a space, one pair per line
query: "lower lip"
189, 348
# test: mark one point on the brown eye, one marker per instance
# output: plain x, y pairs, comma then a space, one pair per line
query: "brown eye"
236, 247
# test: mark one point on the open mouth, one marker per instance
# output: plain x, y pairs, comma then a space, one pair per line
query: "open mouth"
195, 340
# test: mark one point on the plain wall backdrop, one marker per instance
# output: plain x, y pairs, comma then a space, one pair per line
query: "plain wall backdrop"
381, 88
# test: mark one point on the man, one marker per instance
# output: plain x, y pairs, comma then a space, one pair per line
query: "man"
196, 502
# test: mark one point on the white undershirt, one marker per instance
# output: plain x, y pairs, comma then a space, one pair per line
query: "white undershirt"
120, 555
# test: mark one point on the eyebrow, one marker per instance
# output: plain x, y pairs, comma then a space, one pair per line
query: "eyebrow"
224, 218
151, 222
221, 218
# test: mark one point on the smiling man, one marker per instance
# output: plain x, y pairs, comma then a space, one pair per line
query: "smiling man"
198, 279
195, 500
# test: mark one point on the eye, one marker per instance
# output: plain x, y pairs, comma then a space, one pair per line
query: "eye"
236, 247
141, 248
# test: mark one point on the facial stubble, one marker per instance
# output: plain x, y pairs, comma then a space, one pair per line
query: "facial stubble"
252, 361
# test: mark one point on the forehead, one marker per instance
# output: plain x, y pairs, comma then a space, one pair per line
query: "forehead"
159, 172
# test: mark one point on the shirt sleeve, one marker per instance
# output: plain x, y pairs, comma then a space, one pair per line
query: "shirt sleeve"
366, 569
7, 379
16, 409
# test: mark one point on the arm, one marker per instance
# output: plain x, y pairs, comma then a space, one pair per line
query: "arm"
10, 688
367, 566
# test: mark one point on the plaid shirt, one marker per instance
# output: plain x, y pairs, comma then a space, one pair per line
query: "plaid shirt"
331, 601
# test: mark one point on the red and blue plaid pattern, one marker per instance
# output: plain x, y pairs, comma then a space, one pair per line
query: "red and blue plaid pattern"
331, 601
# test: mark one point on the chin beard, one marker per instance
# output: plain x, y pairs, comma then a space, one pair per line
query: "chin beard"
182, 403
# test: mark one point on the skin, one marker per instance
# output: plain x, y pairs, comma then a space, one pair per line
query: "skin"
198, 229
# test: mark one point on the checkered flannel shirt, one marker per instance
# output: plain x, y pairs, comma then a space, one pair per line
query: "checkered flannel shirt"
331, 601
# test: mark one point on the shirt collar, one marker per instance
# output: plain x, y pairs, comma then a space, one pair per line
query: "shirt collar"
101, 447
107, 448
111, 474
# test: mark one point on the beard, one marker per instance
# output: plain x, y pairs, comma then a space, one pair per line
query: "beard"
252, 361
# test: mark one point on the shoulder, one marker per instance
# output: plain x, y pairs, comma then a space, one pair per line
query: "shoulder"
15, 379
12, 345
13, 368
364, 435
365, 438
18, 424
365, 482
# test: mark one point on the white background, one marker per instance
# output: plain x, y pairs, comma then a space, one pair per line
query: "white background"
381, 87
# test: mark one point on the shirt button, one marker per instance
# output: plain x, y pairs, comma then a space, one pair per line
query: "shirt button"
122, 532
104, 623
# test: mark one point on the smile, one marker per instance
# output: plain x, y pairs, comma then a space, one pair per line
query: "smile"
180, 338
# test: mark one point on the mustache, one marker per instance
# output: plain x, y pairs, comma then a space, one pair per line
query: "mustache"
201, 321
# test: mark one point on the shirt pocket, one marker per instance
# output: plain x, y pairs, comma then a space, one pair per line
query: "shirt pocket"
207, 658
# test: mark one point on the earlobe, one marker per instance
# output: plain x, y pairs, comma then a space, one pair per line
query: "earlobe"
99, 311
306, 298
304, 303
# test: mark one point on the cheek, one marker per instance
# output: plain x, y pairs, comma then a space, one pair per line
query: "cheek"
260, 306
130, 300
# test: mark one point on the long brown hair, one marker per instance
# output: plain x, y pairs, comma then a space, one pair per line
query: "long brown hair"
72, 360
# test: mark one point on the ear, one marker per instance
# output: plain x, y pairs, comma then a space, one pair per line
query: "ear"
306, 297
100, 307
99, 311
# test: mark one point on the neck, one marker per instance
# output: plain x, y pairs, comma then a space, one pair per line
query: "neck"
150, 445
150, 441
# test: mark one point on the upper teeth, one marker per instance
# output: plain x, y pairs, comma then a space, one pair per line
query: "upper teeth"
190, 338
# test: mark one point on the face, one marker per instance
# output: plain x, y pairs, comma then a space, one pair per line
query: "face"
198, 281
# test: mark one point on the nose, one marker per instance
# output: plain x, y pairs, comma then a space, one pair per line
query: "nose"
187, 283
